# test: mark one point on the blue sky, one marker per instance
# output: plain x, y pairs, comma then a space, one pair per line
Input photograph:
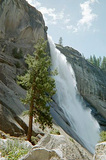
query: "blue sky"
81, 23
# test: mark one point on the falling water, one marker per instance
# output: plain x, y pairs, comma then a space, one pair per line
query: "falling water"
79, 117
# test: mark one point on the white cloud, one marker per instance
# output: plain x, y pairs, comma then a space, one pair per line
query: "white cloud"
51, 12
72, 28
87, 15
34, 3
51, 16
67, 20
93, 1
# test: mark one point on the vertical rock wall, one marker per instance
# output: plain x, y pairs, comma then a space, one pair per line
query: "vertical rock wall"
21, 25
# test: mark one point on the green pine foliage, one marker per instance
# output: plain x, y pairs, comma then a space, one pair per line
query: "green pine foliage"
103, 65
61, 41
98, 62
39, 84
17, 54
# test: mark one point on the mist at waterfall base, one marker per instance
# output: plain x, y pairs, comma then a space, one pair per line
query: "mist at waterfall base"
82, 125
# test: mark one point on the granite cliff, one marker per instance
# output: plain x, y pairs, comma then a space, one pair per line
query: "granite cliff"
20, 22
21, 25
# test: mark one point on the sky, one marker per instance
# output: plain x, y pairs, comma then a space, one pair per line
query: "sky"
80, 23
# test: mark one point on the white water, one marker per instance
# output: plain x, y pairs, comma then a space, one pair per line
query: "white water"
79, 117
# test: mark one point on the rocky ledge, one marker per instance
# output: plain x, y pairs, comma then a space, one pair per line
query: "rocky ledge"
57, 147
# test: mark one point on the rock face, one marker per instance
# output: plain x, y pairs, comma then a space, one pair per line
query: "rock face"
57, 147
100, 151
41, 154
21, 25
20, 22
91, 82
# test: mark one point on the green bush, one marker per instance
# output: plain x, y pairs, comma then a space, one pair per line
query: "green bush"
55, 131
34, 140
17, 64
71, 139
17, 54
103, 136
13, 150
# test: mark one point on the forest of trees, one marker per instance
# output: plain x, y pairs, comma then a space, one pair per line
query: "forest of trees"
98, 62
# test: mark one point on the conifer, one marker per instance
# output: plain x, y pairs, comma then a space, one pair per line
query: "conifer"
40, 86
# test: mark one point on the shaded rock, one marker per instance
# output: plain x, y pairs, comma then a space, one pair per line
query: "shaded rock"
100, 151
8, 123
21, 25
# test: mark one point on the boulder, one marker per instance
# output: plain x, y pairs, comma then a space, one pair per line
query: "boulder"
100, 151
41, 154
57, 147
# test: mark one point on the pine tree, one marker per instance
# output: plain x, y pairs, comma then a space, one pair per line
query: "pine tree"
40, 86
94, 60
99, 62
91, 59
61, 41
103, 65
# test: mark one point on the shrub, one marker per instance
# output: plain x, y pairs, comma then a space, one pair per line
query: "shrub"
71, 139
55, 131
13, 149
17, 54
103, 136
34, 140
17, 64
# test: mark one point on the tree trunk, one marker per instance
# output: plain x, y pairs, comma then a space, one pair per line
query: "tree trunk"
30, 122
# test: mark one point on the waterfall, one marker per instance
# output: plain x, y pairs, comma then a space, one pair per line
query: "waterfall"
79, 117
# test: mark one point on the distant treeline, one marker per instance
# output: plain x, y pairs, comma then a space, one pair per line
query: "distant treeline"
98, 62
